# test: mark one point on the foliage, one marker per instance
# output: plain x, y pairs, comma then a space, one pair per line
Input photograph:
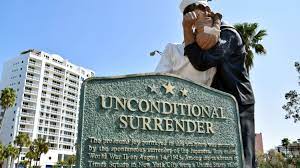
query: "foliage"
261, 160
274, 159
24, 163
292, 107
285, 142
11, 153
251, 37
61, 163
31, 154
71, 160
22, 140
8, 98
2, 149
40, 146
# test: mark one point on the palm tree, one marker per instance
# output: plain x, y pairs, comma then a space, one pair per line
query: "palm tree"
285, 143
11, 153
41, 146
24, 163
251, 37
8, 98
31, 154
22, 140
71, 160
61, 163
2, 158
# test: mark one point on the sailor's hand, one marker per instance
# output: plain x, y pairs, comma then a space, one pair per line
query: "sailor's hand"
206, 41
189, 20
200, 14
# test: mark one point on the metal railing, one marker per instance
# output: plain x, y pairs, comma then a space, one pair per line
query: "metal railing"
31, 92
32, 77
29, 107
26, 122
27, 114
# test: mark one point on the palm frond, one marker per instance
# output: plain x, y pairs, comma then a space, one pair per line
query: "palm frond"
249, 60
259, 36
251, 37
260, 49
250, 29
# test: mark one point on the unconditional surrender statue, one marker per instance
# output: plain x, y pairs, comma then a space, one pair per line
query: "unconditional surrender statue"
214, 57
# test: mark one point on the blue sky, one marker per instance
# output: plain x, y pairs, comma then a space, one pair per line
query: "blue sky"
115, 38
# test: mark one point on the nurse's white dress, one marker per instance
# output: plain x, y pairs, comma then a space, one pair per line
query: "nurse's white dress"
173, 61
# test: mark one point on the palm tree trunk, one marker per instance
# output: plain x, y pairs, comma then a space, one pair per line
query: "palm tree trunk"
20, 149
8, 162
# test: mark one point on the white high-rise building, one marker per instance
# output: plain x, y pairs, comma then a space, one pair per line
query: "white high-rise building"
47, 104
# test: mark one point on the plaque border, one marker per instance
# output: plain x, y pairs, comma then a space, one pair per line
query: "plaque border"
81, 105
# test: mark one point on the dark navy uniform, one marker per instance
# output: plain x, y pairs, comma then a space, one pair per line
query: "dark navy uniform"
232, 77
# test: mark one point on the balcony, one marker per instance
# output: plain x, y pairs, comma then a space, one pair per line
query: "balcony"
67, 136
72, 84
50, 118
71, 103
54, 70
72, 77
68, 143
71, 116
51, 104
71, 129
53, 133
71, 96
33, 71
51, 97
56, 91
33, 78
28, 107
27, 114
30, 99
25, 129
49, 111
31, 92
60, 72
52, 90
57, 85
54, 77
31, 85
56, 98
69, 122
42, 132
73, 90
58, 78
52, 140
71, 109
49, 125
35, 64
52, 148
26, 122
